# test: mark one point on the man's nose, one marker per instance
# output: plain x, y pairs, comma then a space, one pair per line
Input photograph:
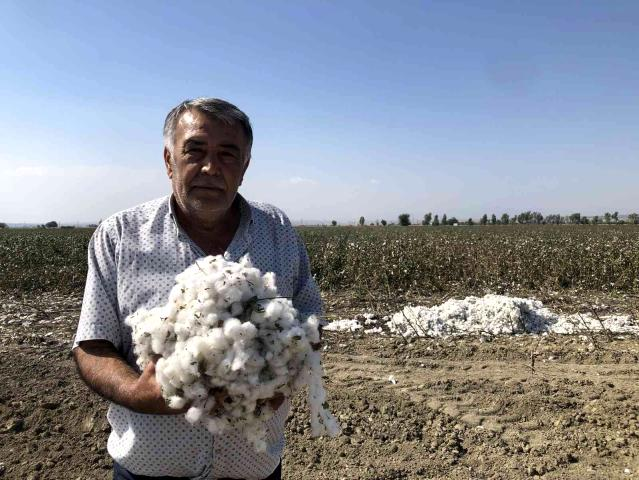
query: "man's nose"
210, 165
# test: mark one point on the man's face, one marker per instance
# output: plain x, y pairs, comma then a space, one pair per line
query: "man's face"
207, 164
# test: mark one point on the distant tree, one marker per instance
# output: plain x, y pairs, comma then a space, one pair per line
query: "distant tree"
493, 219
51, 224
554, 219
453, 221
404, 219
427, 218
436, 221
537, 217
523, 217
362, 220
633, 218
575, 218
444, 219
483, 220
383, 222
595, 220
505, 218
3, 225
607, 218
615, 217
334, 223
470, 220
585, 220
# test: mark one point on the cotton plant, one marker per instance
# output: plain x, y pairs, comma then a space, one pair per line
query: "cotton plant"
228, 343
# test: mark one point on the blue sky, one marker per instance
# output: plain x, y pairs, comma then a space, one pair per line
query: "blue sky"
358, 107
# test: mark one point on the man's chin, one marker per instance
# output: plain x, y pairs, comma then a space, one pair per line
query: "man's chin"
209, 205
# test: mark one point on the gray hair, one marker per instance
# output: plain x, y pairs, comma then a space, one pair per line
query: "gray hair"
214, 109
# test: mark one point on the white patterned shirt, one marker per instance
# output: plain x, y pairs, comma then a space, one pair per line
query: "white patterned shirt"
134, 257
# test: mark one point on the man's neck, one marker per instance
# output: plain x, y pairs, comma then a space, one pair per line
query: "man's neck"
213, 234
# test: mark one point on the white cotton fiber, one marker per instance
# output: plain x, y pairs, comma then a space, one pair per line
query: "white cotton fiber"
228, 344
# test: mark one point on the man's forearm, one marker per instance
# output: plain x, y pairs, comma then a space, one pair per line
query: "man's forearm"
105, 371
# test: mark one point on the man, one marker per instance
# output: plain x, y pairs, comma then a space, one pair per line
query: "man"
133, 259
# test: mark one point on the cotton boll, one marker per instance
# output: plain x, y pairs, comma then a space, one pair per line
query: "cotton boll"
196, 391
194, 415
232, 328
311, 327
273, 309
240, 358
216, 339
268, 280
210, 320
176, 402
247, 331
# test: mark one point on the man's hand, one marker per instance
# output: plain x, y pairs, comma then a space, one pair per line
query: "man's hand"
146, 394
105, 371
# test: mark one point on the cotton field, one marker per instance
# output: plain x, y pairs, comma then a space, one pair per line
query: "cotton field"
452, 353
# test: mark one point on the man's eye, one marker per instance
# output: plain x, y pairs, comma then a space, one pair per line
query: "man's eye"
228, 156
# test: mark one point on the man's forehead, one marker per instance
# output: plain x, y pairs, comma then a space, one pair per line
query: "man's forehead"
194, 123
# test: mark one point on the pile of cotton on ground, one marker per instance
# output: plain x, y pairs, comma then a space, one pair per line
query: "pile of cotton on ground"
228, 343
492, 315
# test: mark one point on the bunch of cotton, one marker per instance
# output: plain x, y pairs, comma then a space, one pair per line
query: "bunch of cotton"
228, 344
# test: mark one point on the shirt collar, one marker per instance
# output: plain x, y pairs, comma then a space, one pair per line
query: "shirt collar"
239, 244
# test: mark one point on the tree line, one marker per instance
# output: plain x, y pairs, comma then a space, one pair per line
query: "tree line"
523, 218
527, 218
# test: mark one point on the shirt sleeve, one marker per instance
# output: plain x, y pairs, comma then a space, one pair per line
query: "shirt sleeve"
99, 317
307, 299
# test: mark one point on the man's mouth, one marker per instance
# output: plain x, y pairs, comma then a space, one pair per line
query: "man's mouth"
207, 187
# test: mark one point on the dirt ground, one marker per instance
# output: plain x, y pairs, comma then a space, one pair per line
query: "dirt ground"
453, 409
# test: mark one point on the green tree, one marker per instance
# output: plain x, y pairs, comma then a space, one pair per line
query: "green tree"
51, 224
615, 217
334, 223
470, 221
505, 218
3, 225
427, 218
484, 219
633, 218
444, 219
575, 218
493, 219
362, 220
404, 219
595, 220
453, 221
607, 218
554, 219
383, 222
436, 221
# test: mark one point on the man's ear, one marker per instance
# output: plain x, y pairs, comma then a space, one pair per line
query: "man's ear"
167, 162
246, 164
